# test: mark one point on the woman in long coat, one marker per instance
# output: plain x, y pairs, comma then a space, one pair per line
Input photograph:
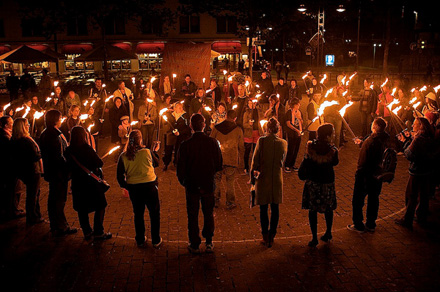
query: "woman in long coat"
86, 196
267, 164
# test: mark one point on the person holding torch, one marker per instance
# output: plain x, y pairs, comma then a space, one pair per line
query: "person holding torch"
147, 116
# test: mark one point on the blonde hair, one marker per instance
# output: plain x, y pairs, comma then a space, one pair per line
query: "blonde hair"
19, 129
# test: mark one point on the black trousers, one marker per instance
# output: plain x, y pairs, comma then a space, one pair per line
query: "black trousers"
417, 197
55, 205
274, 218
248, 148
98, 227
148, 135
365, 184
33, 213
141, 195
366, 120
193, 200
293, 143
169, 152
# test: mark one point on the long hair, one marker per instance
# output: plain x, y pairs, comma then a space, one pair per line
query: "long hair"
19, 129
134, 144
426, 127
78, 137
325, 131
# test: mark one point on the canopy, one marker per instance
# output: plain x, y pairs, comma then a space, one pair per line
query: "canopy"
106, 52
24, 54
227, 47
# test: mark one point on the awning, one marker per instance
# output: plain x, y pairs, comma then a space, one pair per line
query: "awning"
40, 48
150, 48
232, 47
4, 49
76, 48
124, 46
25, 54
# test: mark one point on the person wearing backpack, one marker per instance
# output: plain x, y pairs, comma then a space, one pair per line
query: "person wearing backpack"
366, 180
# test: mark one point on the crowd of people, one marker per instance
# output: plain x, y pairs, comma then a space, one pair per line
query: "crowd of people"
251, 126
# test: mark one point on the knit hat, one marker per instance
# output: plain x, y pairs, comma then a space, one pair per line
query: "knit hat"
431, 96
125, 118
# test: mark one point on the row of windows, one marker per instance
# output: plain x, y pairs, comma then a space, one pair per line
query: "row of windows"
77, 26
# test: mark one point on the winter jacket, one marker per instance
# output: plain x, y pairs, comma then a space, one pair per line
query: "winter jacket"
324, 157
230, 137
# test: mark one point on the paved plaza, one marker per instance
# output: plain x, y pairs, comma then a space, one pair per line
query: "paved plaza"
391, 259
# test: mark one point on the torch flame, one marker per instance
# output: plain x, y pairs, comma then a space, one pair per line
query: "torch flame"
204, 80
343, 80
344, 108
345, 93
93, 102
437, 88
328, 92
415, 106
207, 108
38, 115
83, 117
55, 83
48, 99
63, 119
182, 102
86, 102
234, 106
103, 86
394, 91
174, 75
19, 109
351, 77
323, 106
262, 123
413, 100
108, 98
395, 101
133, 80
6, 106
165, 118
208, 91
152, 79
52, 93
149, 100
383, 84
372, 86
162, 111
114, 149
134, 123
304, 77
414, 89
224, 72
423, 88
258, 95
246, 83
89, 128
26, 112
397, 109
254, 100
323, 79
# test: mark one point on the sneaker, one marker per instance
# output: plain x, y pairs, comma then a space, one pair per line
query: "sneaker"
370, 229
157, 245
326, 237
142, 243
313, 243
103, 236
351, 227
295, 168
209, 247
287, 169
193, 250
402, 223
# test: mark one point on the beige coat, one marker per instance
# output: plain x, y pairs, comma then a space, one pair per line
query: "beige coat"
268, 160
231, 141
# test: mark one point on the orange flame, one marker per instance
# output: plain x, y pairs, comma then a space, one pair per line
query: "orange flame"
344, 108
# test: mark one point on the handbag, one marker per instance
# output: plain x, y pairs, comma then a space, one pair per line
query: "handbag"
253, 178
101, 185
305, 169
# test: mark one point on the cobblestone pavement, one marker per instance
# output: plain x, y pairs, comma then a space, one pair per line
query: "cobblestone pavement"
391, 259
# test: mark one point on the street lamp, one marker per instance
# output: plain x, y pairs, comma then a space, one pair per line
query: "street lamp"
341, 8
302, 8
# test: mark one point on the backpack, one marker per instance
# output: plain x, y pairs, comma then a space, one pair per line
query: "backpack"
387, 166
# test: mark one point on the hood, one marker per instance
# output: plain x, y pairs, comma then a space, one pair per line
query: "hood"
226, 127
321, 152
383, 137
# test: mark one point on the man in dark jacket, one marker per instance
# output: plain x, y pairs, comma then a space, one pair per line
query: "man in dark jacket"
199, 158
53, 145
188, 91
13, 85
367, 106
265, 88
370, 158
282, 91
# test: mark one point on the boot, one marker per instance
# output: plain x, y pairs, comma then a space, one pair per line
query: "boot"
265, 240
271, 237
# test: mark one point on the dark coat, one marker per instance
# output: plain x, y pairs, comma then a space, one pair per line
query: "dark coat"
85, 196
53, 145
370, 156
182, 125
283, 91
266, 89
368, 101
324, 157
5, 156
26, 156
199, 158
294, 93
420, 155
